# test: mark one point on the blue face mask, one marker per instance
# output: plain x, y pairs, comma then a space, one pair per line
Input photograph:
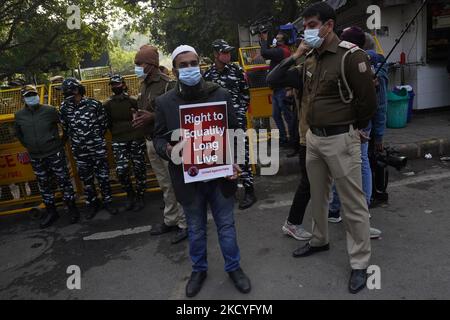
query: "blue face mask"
140, 72
32, 101
312, 38
190, 76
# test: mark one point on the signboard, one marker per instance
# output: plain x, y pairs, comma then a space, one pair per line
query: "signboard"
15, 166
206, 147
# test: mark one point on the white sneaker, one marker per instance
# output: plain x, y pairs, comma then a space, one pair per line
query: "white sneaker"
375, 233
296, 232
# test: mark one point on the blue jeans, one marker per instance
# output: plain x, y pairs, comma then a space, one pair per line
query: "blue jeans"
335, 204
196, 216
280, 109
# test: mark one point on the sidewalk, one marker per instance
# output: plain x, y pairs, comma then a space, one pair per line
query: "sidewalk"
427, 133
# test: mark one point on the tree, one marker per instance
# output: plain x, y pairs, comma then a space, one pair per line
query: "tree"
200, 22
35, 38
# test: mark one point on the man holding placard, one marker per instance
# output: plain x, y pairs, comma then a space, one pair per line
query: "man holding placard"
198, 113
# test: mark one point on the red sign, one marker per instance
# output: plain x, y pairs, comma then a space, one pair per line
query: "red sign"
206, 152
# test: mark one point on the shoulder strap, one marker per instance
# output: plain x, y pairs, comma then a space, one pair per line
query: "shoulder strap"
351, 48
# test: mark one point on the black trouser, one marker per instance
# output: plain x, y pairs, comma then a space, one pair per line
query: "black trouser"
295, 140
303, 194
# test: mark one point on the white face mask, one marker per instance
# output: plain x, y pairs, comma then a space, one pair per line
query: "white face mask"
32, 101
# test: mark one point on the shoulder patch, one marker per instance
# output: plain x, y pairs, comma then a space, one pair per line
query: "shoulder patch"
362, 67
347, 45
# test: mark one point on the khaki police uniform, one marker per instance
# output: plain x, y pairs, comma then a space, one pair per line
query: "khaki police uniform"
333, 142
151, 88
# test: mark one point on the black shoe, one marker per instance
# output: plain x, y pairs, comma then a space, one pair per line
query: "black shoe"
334, 216
130, 202
358, 281
307, 250
293, 153
249, 199
195, 283
50, 217
74, 214
179, 236
162, 228
240, 280
139, 204
111, 209
92, 210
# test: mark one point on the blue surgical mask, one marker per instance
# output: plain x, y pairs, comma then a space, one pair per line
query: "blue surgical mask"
32, 101
312, 38
190, 76
140, 72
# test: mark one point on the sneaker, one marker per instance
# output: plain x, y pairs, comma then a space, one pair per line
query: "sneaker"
334, 217
375, 233
296, 232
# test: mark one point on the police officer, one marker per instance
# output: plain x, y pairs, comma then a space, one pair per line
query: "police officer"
37, 129
340, 99
231, 77
85, 122
155, 83
128, 143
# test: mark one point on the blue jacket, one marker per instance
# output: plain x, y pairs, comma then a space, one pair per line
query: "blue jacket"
379, 120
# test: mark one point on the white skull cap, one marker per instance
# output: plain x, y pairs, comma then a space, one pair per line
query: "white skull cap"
181, 49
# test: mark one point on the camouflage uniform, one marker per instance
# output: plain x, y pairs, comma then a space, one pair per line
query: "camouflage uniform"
55, 164
86, 124
233, 79
128, 143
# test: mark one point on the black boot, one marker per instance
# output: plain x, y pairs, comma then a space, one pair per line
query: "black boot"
74, 214
112, 210
249, 199
130, 203
91, 210
139, 204
50, 218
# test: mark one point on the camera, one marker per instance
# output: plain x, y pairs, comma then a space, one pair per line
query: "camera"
262, 25
391, 159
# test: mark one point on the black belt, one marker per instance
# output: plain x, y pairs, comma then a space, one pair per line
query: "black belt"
330, 131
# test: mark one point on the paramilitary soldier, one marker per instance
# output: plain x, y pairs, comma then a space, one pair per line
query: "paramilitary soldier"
84, 121
37, 129
339, 98
128, 143
231, 77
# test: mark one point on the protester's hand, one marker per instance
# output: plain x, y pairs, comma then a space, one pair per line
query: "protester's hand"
264, 36
301, 50
236, 171
379, 146
363, 136
142, 118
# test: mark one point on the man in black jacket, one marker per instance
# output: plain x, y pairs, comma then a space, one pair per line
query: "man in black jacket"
37, 129
195, 197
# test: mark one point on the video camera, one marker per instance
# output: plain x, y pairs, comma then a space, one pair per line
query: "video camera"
261, 25
391, 159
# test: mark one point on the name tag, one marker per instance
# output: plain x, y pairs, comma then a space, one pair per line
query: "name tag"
309, 74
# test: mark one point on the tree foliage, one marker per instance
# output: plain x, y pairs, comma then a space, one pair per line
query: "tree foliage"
199, 22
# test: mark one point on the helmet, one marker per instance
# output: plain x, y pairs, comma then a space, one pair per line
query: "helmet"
116, 79
69, 85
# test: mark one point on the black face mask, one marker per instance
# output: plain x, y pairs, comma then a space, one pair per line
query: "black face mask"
118, 90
